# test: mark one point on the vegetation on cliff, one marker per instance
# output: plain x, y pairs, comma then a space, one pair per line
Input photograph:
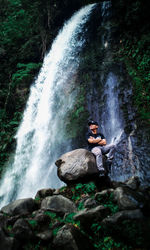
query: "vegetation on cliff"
134, 25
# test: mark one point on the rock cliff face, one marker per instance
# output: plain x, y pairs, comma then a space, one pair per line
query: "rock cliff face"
81, 216
106, 94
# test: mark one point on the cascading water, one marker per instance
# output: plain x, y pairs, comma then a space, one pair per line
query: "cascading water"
41, 137
111, 116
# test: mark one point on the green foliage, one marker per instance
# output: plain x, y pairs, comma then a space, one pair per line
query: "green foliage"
102, 239
33, 223
80, 205
77, 117
137, 59
50, 214
24, 74
108, 201
69, 218
56, 219
7, 132
135, 38
83, 189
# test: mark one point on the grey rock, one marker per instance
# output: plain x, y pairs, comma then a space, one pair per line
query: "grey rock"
88, 215
40, 216
12, 219
6, 243
22, 230
128, 199
123, 215
58, 204
70, 238
3, 220
65, 239
90, 203
75, 165
45, 235
133, 182
44, 193
42, 219
56, 192
22, 206
104, 193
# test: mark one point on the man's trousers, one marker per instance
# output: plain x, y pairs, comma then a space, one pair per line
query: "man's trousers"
98, 151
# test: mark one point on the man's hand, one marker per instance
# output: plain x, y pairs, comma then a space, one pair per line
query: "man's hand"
93, 140
102, 142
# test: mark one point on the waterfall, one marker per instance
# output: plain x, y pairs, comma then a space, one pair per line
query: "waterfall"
112, 121
111, 116
41, 137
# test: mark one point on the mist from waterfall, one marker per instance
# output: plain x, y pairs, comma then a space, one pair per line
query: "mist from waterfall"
41, 137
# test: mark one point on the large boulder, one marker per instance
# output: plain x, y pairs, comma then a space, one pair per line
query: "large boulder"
46, 235
21, 206
76, 165
128, 198
70, 237
22, 230
123, 215
58, 204
6, 243
87, 216
44, 193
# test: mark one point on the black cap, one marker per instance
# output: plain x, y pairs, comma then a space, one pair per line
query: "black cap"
92, 123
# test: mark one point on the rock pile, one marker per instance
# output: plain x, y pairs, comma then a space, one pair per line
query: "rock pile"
65, 218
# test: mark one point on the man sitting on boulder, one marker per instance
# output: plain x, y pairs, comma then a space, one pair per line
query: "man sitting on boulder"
97, 145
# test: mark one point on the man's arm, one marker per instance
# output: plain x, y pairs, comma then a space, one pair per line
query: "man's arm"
93, 140
102, 142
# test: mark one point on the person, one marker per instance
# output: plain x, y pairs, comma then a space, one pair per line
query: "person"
98, 146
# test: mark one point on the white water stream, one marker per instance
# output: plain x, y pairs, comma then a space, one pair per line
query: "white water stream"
111, 117
41, 136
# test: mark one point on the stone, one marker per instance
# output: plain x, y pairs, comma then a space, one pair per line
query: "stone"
123, 215
58, 204
69, 237
6, 243
56, 192
104, 193
2, 220
133, 182
128, 199
76, 165
86, 216
21, 206
90, 203
45, 235
42, 219
22, 230
129, 226
12, 219
44, 193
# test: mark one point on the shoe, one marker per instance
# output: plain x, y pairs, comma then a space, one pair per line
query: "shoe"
110, 159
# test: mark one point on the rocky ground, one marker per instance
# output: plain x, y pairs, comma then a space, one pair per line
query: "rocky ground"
98, 214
